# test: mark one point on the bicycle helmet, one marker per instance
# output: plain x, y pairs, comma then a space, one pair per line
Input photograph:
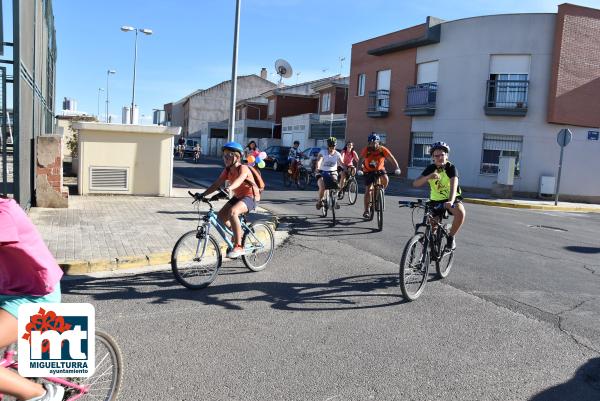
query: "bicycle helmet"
374, 137
331, 141
234, 147
439, 145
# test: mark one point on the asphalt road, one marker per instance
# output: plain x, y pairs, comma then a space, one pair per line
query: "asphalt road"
517, 319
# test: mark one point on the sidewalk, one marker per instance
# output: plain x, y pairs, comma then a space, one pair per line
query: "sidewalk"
98, 233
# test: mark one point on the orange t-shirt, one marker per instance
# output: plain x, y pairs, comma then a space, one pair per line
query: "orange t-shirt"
246, 189
374, 159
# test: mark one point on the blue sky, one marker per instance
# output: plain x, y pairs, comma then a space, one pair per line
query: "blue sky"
191, 47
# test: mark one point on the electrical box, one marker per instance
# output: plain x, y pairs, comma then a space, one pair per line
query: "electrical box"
547, 185
506, 170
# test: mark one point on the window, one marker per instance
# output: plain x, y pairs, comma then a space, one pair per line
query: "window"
362, 80
384, 78
271, 107
495, 146
508, 90
420, 144
325, 99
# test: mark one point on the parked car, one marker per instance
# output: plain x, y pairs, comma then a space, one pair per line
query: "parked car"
277, 157
310, 157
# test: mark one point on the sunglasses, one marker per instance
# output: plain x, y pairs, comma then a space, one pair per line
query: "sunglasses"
439, 155
228, 155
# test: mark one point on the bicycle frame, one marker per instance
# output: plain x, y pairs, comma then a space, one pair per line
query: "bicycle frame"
432, 224
8, 361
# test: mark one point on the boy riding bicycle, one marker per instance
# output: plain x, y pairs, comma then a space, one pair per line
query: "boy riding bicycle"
28, 274
373, 166
243, 186
293, 154
442, 177
327, 167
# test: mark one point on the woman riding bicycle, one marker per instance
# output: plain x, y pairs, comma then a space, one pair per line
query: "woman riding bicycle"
327, 164
28, 274
349, 156
242, 185
373, 166
442, 177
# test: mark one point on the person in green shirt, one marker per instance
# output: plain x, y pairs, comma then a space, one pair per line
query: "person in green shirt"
442, 177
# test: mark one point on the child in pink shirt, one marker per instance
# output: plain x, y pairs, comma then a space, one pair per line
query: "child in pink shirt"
28, 274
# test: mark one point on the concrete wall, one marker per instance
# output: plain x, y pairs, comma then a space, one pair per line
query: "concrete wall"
299, 131
145, 151
464, 59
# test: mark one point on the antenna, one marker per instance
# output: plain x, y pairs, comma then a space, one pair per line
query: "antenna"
342, 59
283, 68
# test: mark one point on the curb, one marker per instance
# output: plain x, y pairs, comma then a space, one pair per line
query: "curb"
579, 209
82, 267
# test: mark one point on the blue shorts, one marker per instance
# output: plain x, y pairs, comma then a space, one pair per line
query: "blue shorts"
10, 303
248, 201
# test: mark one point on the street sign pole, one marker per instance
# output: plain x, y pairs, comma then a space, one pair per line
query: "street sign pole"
563, 138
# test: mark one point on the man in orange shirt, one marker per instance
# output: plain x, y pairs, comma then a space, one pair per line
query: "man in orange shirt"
373, 166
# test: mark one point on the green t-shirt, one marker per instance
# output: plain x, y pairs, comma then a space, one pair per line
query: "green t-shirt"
440, 189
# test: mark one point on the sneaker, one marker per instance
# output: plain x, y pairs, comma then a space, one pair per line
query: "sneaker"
53, 393
451, 244
236, 252
319, 205
366, 214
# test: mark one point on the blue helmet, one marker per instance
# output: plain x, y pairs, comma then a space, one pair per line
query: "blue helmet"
233, 146
374, 137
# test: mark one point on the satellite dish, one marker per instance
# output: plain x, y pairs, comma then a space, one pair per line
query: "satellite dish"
283, 68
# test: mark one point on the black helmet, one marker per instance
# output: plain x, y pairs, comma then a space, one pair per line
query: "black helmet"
439, 145
331, 141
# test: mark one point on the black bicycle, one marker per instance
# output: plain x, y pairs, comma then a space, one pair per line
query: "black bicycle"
377, 204
351, 187
427, 245
330, 201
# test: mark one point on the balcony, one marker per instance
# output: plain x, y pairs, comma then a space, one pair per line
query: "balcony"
379, 103
420, 99
506, 98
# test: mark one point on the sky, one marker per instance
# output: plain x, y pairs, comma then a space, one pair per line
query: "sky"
192, 42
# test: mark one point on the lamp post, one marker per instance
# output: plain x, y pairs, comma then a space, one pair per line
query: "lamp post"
108, 72
236, 34
146, 32
98, 113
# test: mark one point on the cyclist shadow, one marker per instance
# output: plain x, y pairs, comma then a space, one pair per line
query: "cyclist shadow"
347, 293
317, 226
583, 386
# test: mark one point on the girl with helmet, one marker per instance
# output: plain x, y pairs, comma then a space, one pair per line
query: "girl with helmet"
241, 184
373, 166
327, 165
442, 177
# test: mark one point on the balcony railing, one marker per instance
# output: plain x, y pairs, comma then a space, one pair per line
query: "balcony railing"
420, 99
506, 98
379, 103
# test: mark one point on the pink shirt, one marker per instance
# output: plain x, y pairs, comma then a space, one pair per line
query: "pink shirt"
26, 265
349, 157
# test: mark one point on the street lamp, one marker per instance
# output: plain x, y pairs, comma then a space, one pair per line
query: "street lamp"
146, 32
108, 72
99, 90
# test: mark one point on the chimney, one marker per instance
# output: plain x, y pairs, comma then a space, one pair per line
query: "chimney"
263, 73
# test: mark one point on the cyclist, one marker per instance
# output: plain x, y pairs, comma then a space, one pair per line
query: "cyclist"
349, 156
28, 274
292, 155
373, 166
181, 146
327, 165
197, 152
442, 177
246, 193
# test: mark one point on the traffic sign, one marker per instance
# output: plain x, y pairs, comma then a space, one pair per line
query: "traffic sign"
564, 137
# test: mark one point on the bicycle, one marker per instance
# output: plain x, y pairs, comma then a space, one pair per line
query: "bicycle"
196, 257
351, 187
299, 176
180, 152
330, 203
377, 202
104, 384
196, 156
425, 246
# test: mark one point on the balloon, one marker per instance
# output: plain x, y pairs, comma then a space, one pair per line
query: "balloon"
256, 153
261, 164
262, 155
250, 159
257, 160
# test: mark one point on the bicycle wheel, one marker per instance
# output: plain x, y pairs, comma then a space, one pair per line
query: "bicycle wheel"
380, 205
287, 181
443, 264
332, 200
302, 179
259, 245
352, 190
414, 267
196, 261
325, 205
106, 381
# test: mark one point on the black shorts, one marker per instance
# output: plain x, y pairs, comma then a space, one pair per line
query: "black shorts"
441, 211
329, 178
371, 176
248, 201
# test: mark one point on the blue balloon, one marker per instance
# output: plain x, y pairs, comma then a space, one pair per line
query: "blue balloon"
257, 160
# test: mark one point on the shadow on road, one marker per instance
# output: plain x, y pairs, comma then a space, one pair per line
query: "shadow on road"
584, 386
346, 293
317, 226
583, 249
